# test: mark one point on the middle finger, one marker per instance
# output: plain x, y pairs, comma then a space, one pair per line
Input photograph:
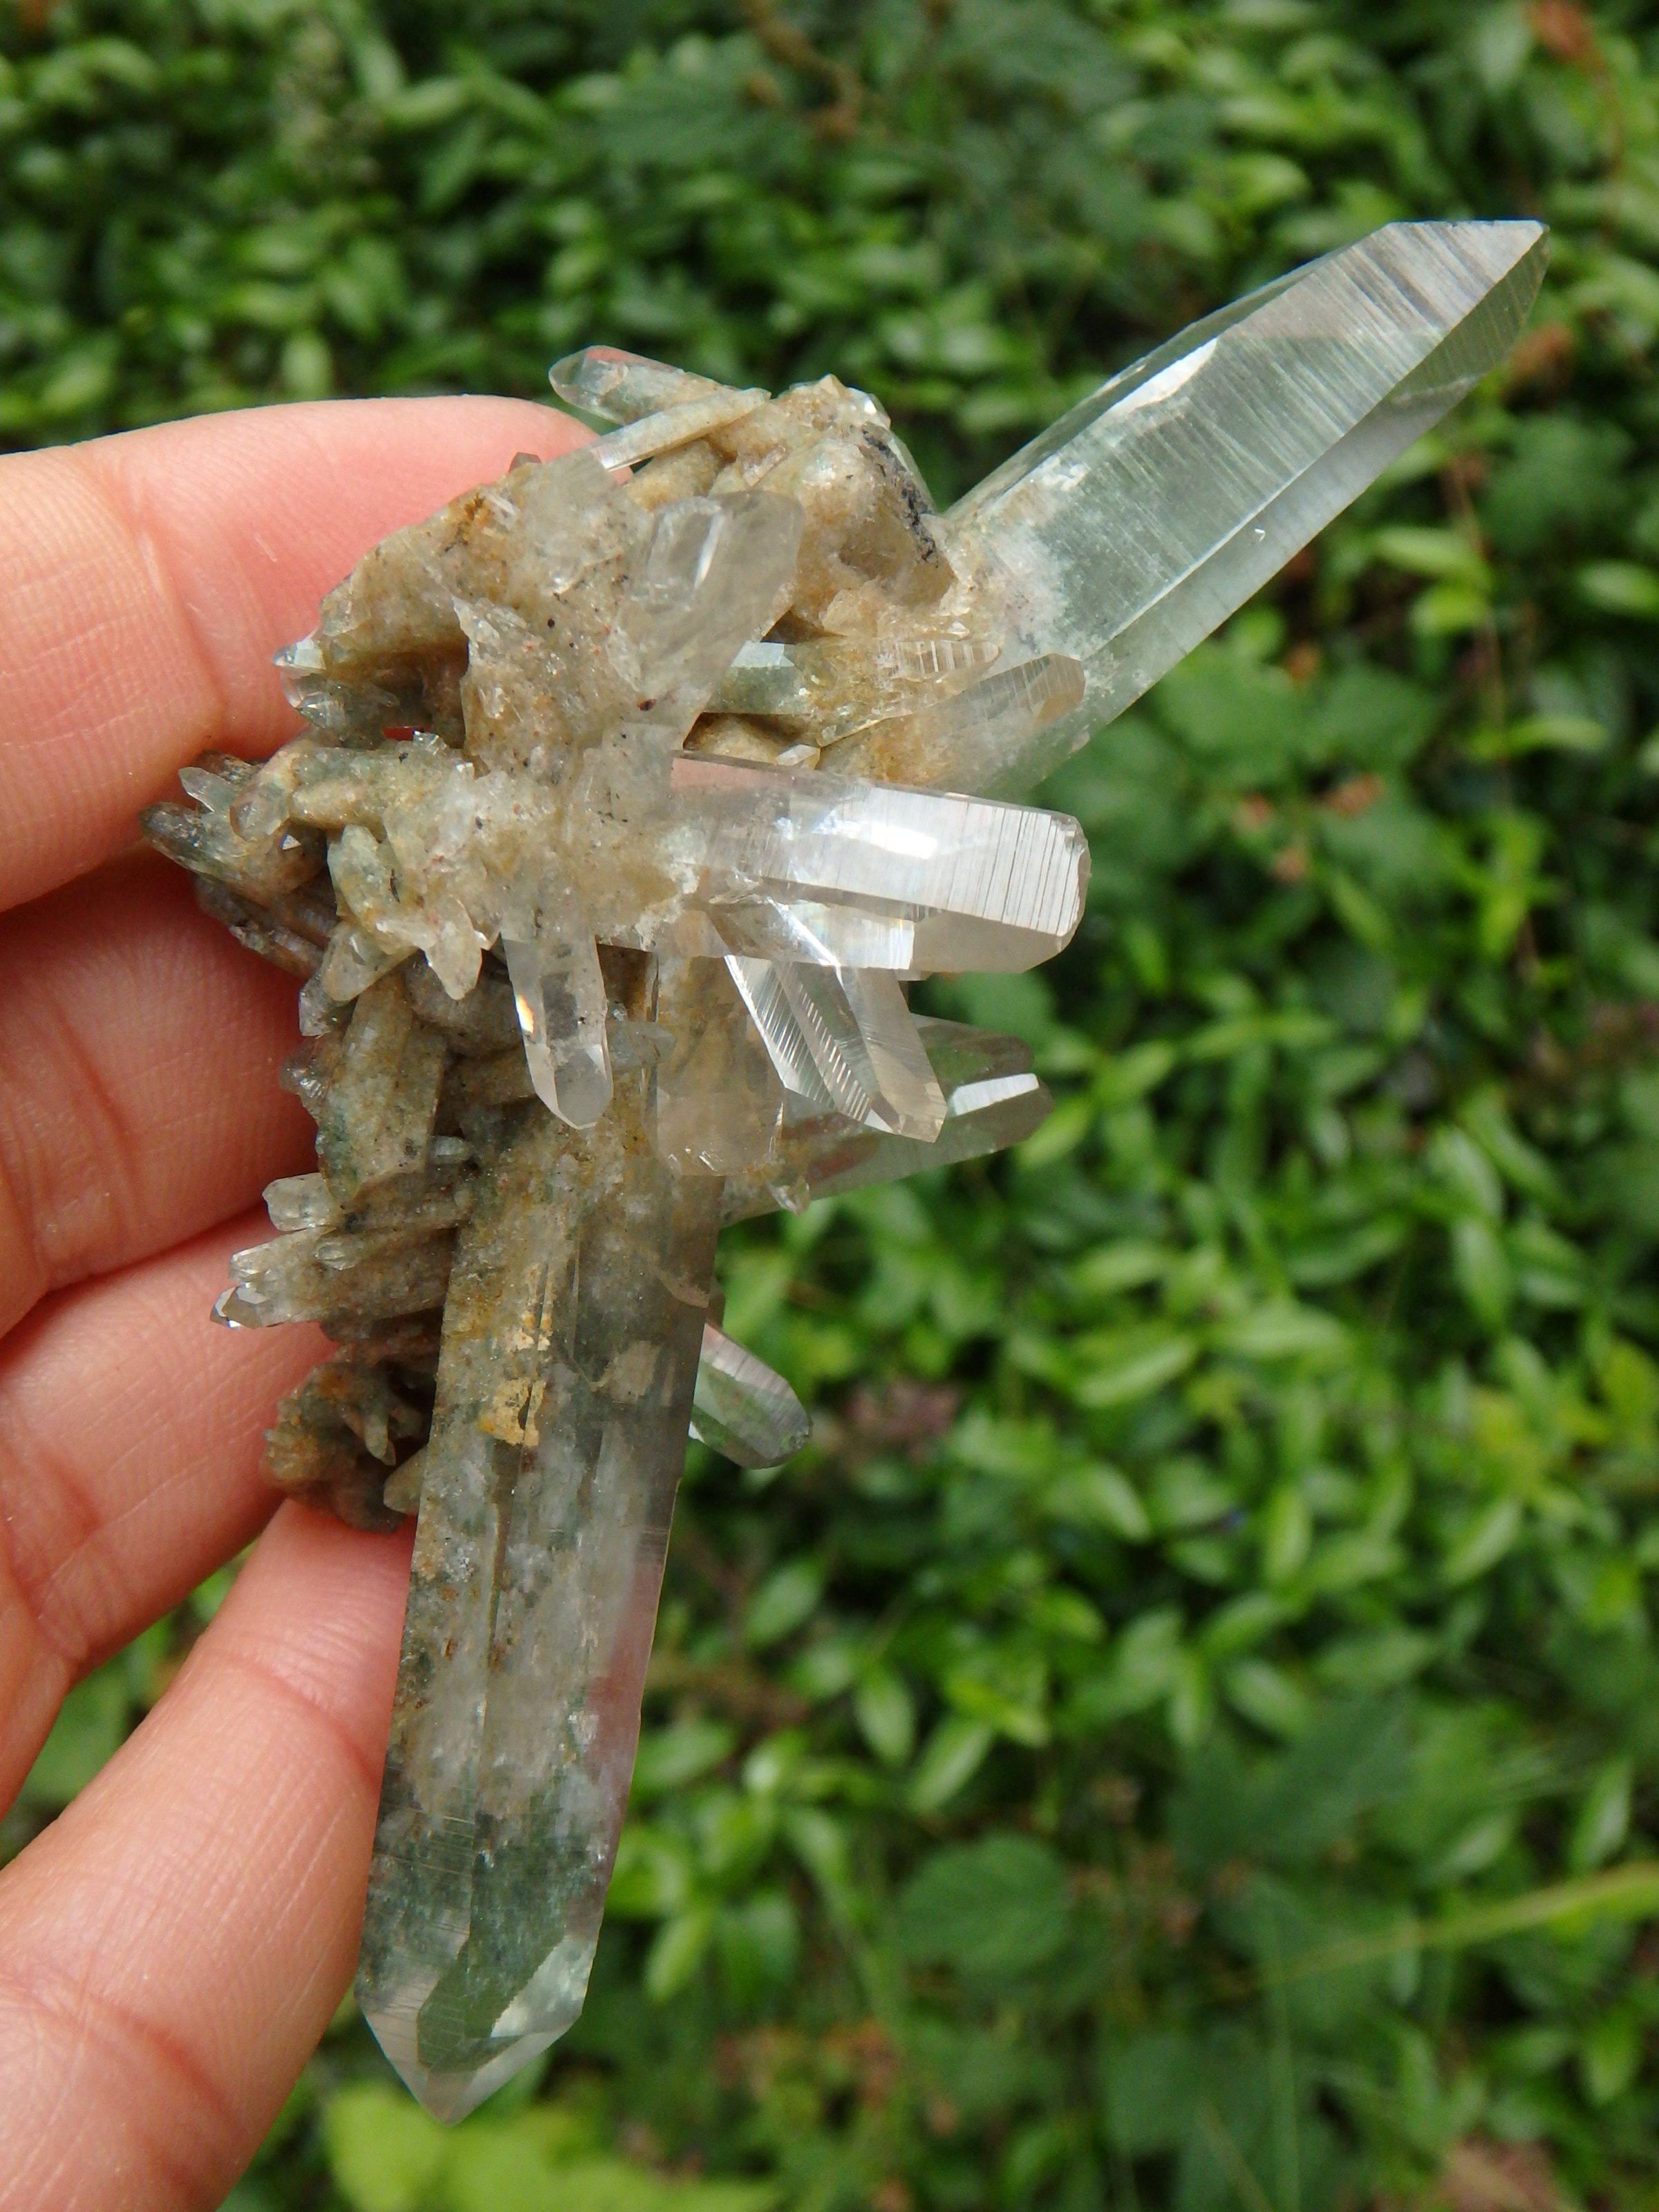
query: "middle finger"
139, 1051
130, 1437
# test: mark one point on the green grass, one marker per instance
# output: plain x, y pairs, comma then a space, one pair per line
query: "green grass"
1186, 1735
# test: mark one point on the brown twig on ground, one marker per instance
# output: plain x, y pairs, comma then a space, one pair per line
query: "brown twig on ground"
786, 43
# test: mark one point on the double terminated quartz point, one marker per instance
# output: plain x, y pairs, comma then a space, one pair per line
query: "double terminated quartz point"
634, 789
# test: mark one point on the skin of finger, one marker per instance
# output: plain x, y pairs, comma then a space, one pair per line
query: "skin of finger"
174, 1946
130, 1448
150, 578
139, 1051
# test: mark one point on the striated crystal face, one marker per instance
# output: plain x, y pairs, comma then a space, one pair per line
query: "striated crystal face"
634, 790
1140, 520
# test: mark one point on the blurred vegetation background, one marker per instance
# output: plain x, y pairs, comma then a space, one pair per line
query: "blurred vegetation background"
1187, 1734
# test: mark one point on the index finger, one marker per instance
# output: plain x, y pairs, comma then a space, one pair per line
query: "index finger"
151, 576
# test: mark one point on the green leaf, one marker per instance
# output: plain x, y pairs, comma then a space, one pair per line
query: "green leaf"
669, 1757
1602, 1823
1266, 1694
1482, 1540
758, 1942
1243, 724
951, 1756
1282, 1330
1142, 1667
1116, 1367
652, 1875
784, 1602
677, 1951
1444, 556
819, 1842
996, 1910
1100, 1497
1286, 1532
1451, 610
1368, 718
90, 1724
1152, 2084
1011, 1700
1467, 1174
385, 2154
1481, 1268
1620, 587
1500, 38
886, 1715
495, 2167
1611, 2056
1538, 733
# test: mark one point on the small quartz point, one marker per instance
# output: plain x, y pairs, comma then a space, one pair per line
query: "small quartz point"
742, 1408
559, 990
717, 570
719, 1102
640, 441
1133, 524
380, 1111
623, 387
963, 741
633, 792
843, 1038
992, 1100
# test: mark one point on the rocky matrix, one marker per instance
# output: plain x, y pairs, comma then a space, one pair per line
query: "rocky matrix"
633, 789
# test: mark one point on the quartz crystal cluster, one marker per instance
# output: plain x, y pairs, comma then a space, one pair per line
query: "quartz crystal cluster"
632, 791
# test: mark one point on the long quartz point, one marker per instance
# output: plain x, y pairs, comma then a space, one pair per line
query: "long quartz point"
986, 885
742, 1407
559, 991
992, 1100
1136, 523
760, 986
571, 1340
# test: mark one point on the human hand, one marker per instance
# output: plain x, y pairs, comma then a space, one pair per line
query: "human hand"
172, 1948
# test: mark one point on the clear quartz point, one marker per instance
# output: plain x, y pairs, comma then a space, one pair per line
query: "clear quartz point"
767, 677
302, 1202
633, 442
845, 1039
559, 991
742, 1408
1133, 524
717, 572
622, 387
983, 884
992, 1100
